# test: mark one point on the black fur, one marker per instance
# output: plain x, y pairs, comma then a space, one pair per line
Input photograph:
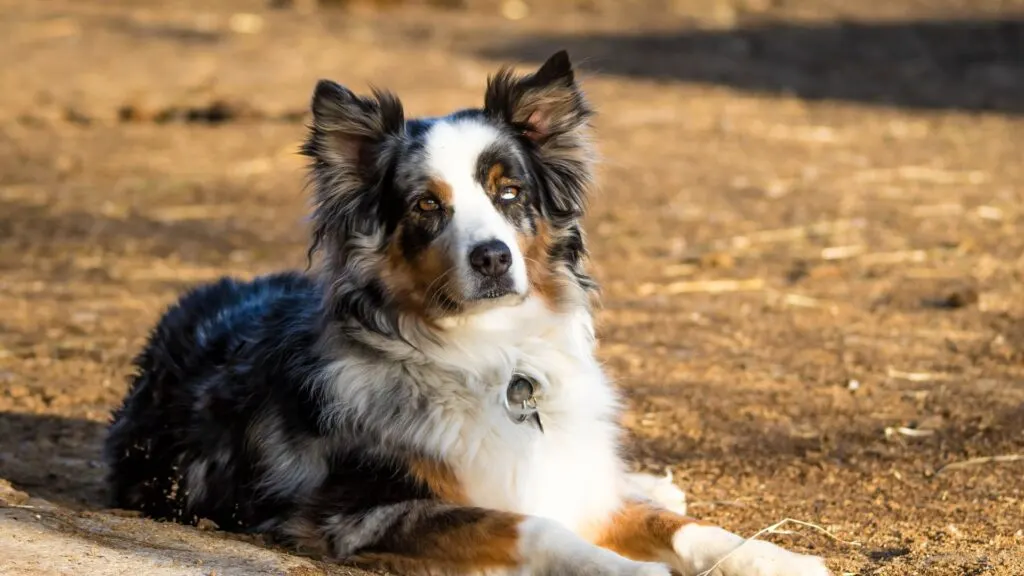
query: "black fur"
226, 356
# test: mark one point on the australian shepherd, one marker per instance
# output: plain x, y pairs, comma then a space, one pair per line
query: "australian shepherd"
428, 399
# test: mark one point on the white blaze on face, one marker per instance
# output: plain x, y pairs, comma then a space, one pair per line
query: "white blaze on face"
453, 150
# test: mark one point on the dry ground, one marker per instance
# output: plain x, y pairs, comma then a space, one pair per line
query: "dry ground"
810, 234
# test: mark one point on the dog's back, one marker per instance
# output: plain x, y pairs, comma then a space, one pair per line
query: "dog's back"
178, 447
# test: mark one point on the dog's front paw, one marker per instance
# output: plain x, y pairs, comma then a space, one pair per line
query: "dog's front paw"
601, 563
644, 569
712, 551
759, 558
649, 569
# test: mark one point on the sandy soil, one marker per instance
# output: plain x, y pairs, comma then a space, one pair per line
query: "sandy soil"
810, 235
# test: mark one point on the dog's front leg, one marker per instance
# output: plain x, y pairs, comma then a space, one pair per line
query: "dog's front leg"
433, 538
643, 530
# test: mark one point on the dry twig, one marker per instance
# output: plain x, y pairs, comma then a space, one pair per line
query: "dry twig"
707, 286
917, 376
980, 461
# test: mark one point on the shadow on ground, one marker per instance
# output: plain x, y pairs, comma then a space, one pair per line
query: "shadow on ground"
55, 458
973, 65
35, 228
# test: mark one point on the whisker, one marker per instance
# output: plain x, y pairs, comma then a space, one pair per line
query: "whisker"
440, 277
434, 296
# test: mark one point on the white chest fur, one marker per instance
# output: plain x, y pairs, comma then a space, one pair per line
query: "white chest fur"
570, 472
447, 402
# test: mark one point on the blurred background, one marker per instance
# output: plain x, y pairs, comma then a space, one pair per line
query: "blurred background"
809, 231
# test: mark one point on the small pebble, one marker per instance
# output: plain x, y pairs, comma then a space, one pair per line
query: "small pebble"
245, 23
515, 9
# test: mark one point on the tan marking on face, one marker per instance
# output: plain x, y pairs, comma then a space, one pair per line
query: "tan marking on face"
439, 478
543, 275
441, 189
641, 531
495, 179
438, 546
415, 284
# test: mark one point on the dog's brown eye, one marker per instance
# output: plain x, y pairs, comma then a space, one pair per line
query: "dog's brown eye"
508, 193
427, 204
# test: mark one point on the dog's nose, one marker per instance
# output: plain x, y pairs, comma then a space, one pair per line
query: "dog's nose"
491, 258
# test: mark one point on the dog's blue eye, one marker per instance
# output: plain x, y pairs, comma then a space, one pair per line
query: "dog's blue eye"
509, 193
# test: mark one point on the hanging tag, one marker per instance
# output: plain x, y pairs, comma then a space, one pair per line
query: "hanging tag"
521, 402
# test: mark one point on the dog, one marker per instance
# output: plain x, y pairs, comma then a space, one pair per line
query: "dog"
426, 397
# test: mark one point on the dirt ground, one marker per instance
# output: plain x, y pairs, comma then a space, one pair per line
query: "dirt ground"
810, 234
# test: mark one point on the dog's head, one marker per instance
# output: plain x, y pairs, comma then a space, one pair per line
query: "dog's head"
444, 216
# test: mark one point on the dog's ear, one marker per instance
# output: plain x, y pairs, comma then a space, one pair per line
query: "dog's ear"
548, 109
349, 142
348, 131
541, 105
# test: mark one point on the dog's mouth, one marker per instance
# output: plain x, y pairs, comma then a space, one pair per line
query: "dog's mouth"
494, 294
493, 289
480, 294
486, 297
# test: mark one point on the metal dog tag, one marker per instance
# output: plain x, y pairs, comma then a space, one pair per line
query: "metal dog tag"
521, 402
